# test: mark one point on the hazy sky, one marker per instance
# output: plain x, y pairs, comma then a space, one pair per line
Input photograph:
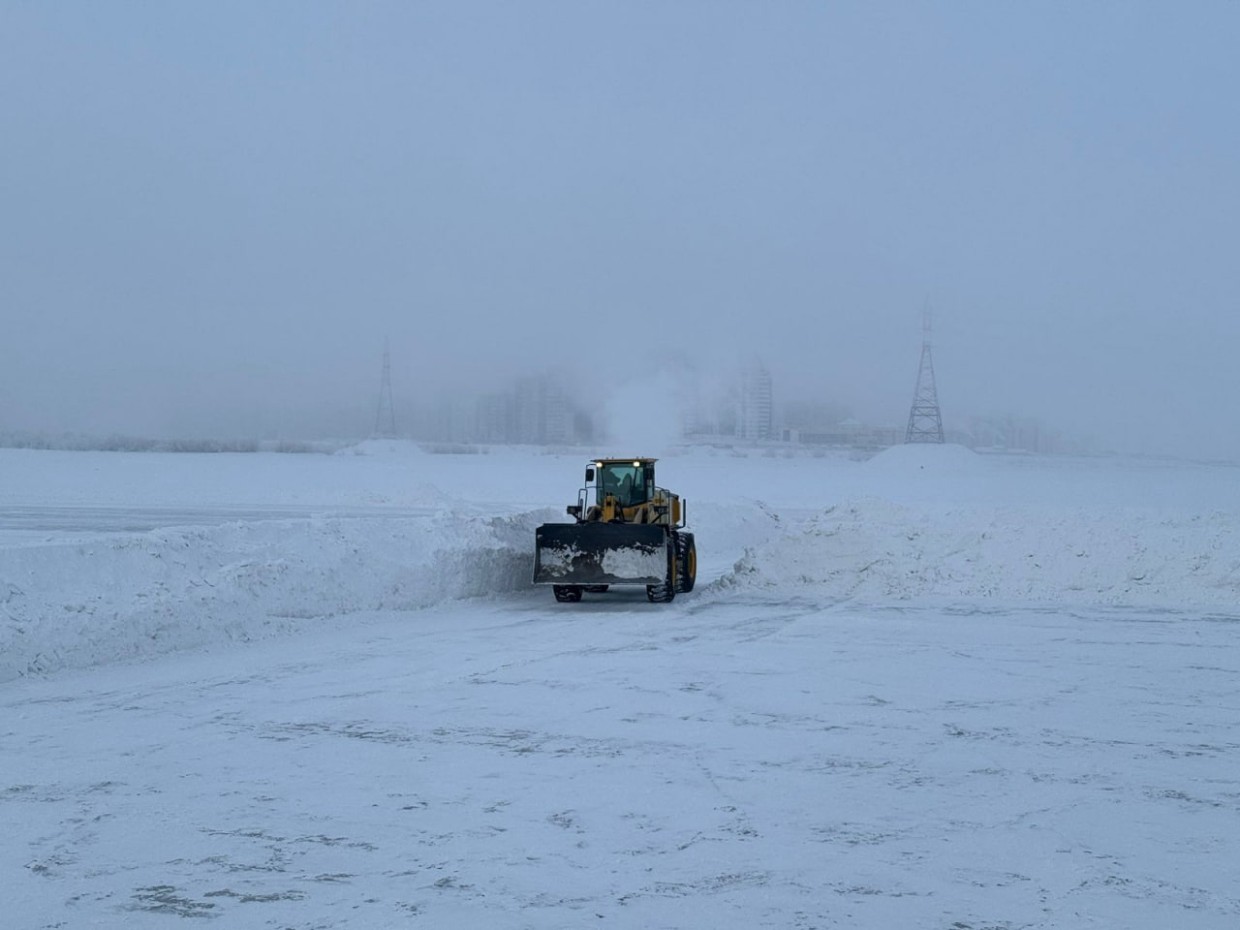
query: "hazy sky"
212, 214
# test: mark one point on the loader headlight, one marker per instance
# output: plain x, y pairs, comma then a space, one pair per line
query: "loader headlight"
637, 464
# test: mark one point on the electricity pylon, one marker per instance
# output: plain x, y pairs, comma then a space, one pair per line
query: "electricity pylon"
925, 420
385, 416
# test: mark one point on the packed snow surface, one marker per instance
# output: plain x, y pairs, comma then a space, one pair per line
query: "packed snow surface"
931, 689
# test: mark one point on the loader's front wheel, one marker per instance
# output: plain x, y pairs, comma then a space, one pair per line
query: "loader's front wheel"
662, 593
567, 593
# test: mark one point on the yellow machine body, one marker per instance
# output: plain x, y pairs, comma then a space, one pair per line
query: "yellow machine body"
628, 531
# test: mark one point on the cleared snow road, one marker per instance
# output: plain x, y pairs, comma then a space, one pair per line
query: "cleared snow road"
733, 759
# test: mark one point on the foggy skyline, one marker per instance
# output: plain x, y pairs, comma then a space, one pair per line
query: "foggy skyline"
216, 210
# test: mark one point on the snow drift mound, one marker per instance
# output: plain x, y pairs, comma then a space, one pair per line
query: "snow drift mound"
877, 550
115, 597
391, 448
935, 458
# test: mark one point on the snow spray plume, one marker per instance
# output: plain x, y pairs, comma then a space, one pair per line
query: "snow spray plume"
643, 417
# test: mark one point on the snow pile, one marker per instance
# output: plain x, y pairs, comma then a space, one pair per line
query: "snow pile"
874, 549
390, 448
120, 596
935, 458
105, 556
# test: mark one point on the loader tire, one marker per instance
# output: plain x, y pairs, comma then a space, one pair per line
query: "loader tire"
660, 593
567, 593
686, 563
663, 592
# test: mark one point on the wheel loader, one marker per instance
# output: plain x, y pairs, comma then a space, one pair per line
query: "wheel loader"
627, 531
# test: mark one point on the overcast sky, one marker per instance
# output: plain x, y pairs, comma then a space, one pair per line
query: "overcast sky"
213, 211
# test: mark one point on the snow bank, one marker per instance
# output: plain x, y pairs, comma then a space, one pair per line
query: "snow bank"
283, 541
874, 549
122, 596
939, 459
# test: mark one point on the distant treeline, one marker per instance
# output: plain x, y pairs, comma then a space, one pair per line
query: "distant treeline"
74, 443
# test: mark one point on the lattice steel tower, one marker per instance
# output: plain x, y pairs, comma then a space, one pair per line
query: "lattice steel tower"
925, 420
385, 416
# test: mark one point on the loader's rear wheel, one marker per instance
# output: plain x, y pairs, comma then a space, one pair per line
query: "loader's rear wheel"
686, 563
566, 593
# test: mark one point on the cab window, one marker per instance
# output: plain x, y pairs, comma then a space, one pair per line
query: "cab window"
625, 481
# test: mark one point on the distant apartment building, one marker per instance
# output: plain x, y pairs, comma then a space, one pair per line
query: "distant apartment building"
755, 416
542, 412
1016, 434
496, 418
453, 419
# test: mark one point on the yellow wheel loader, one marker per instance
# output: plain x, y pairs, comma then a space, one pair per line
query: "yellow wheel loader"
628, 531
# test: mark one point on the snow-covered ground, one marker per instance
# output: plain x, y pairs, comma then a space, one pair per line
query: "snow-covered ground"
932, 689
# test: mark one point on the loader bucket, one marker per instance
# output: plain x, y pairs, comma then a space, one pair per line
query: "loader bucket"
600, 553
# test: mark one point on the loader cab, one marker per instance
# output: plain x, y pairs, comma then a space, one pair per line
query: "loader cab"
631, 481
